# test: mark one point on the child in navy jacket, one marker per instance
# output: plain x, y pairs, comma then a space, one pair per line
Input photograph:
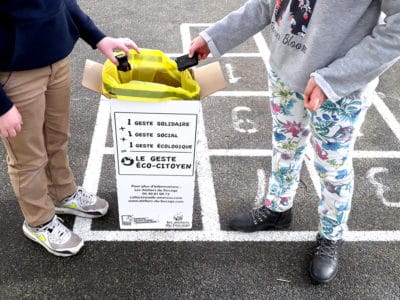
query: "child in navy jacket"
36, 38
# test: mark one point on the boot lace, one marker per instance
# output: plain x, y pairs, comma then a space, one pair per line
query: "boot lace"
259, 215
84, 198
326, 247
58, 233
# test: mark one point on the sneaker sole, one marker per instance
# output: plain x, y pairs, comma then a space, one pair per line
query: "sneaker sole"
65, 253
91, 215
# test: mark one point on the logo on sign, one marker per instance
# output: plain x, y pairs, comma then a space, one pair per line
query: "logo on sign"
127, 161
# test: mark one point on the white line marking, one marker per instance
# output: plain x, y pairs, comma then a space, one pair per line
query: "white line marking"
93, 169
197, 24
267, 152
208, 200
186, 37
109, 150
231, 236
376, 154
245, 55
240, 152
263, 48
387, 115
261, 188
309, 162
241, 94
226, 55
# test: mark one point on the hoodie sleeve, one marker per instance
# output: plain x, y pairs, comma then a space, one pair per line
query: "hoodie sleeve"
367, 60
5, 102
238, 26
88, 31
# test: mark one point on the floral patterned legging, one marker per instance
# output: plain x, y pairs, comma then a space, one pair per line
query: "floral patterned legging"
332, 131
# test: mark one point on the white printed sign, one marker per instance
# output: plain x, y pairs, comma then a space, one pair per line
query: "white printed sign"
155, 147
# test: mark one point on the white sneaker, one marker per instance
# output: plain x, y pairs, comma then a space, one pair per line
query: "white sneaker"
55, 237
82, 203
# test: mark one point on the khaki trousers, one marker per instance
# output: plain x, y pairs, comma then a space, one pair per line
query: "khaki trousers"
37, 157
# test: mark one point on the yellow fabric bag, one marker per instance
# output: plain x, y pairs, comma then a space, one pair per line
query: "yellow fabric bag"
153, 77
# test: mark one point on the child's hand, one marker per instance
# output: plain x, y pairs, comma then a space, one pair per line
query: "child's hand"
200, 46
10, 123
108, 45
314, 96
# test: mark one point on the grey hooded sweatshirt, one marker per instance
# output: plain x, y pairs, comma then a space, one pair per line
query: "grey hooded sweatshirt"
340, 43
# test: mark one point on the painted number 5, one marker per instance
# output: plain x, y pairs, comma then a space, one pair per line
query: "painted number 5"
240, 122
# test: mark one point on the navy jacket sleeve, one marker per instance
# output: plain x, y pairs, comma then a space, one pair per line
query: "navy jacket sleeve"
88, 31
68, 25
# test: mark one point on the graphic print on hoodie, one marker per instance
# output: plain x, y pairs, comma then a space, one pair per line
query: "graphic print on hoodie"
300, 14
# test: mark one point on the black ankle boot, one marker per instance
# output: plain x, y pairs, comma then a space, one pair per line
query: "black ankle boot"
324, 265
261, 219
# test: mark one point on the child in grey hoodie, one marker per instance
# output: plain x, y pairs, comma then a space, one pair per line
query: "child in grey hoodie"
325, 59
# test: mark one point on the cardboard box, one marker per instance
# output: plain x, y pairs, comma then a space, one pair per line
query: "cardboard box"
155, 147
210, 77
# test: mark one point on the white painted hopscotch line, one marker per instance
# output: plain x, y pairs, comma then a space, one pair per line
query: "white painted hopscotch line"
266, 152
210, 218
242, 94
95, 161
230, 236
263, 49
387, 115
208, 200
261, 190
245, 55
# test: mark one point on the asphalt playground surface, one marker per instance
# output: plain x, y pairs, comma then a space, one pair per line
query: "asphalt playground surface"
207, 262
